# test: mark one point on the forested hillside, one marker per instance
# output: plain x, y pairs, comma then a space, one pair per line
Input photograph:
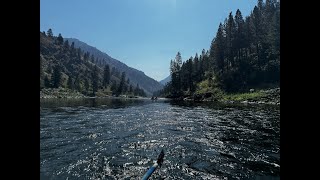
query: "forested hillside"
244, 54
146, 83
62, 65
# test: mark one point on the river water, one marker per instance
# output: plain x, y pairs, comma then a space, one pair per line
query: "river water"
121, 139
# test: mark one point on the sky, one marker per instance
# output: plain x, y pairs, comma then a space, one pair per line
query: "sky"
143, 34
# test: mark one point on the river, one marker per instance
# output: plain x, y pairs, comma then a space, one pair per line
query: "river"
121, 139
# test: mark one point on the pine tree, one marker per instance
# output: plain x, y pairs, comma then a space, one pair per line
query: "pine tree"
77, 84
106, 76
184, 77
70, 83
86, 56
176, 76
260, 4
130, 89
95, 80
41, 74
56, 77
47, 83
230, 32
66, 45
41, 68
121, 87
203, 64
196, 69
125, 88
171, 66
113, 87
92, 58
50, 33
60, 39
178, 61
136, 90
79, 52
189, 73
239, 35
86, 85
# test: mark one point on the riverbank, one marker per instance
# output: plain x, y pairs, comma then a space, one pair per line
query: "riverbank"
49, 93
64, 93
264, 96
269, 96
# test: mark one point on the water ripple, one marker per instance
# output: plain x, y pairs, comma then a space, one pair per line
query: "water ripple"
120, 140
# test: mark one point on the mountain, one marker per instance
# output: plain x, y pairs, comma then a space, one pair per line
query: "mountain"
165, 80
146, 83
70, 69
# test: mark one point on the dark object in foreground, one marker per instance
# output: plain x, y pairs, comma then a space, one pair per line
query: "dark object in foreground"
160, 158
154, 166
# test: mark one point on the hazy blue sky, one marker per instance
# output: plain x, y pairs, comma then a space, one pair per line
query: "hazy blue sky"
144, 34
